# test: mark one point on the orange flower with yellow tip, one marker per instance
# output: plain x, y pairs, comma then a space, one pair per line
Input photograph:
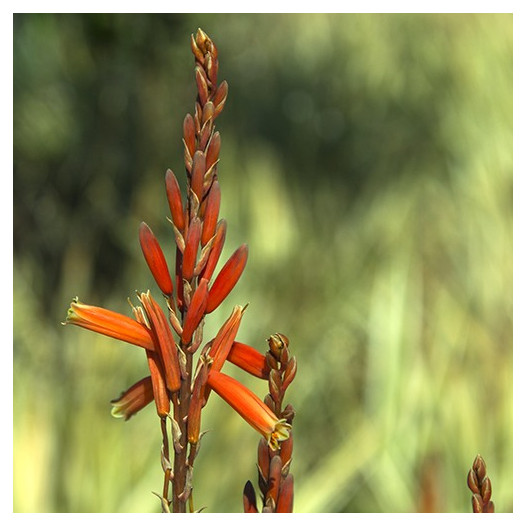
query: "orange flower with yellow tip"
110, 323
250, 407
137, 397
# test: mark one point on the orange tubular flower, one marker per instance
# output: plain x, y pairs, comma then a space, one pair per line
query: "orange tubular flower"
249, 359
213, 202
155, 259
173, 193
160, 393
222, 343
227, 278
196, 405
138, 396
225, 338
165, 341
216, 250
250, 407
195, 311
190, 252
110, 323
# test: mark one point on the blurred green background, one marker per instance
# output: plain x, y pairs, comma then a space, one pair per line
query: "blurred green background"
367, 162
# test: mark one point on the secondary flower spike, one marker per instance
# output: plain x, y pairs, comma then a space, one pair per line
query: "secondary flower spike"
250, 407
110, 323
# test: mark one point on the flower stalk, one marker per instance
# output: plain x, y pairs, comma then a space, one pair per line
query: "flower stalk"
480, 485
171, 336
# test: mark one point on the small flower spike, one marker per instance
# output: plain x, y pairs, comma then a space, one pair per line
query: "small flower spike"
110, 323
480, 485
138, 396
250, 407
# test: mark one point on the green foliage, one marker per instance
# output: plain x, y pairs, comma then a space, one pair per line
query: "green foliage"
367, 162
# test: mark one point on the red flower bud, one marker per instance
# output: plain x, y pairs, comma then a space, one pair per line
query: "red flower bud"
175, 201
155, 259
189, 134
227, 278
216, 250
160, 394
190, 251
195, 311
165, 341
213, 202
286, 495
198, 174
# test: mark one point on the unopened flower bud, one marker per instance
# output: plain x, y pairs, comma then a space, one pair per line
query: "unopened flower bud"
155, 259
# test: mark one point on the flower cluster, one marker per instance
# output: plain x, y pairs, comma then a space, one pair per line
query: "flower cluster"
177, 383
480, 485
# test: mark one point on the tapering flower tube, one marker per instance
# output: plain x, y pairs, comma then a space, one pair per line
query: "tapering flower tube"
286, 495
190, 252
173, 194
196, 405
274, 479
195, 311
138, 396
220, 98
215, 251
212, 151
198, 174
110, 323
226, 335
227, 278
249, 359
211, 213
165, 341
250, 407
155, 259
160, 393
